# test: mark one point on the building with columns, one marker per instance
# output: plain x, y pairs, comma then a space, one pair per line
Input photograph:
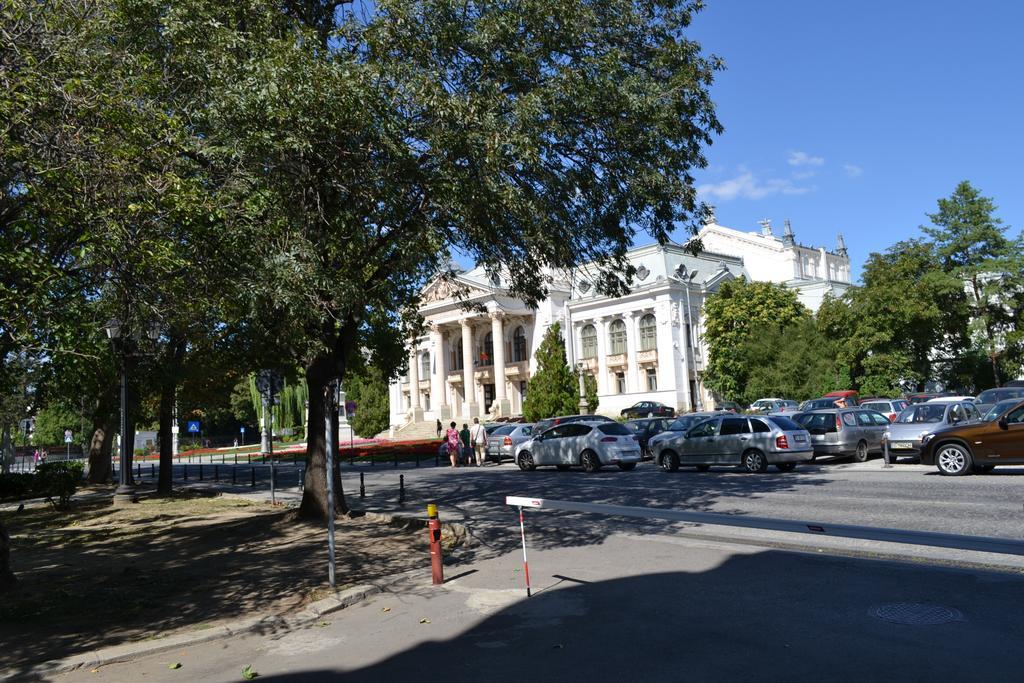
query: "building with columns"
477, 356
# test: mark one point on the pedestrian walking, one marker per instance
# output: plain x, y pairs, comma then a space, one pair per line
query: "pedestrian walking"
479, 437
454, 445
35, 458
440, 428
467, 444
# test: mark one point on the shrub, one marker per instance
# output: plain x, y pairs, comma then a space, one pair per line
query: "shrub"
58, 481
16, 484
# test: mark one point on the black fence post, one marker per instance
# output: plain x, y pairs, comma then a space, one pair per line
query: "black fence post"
362, 486
138, 470
248, 458
236, 457
401, 489
252, 470
152, 471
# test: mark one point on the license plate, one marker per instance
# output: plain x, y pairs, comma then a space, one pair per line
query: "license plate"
902, 445
800, 438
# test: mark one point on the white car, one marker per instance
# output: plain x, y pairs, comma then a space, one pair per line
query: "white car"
766, 405
589, 444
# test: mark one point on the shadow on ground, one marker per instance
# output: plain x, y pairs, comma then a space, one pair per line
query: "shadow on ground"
96, 577
766, 616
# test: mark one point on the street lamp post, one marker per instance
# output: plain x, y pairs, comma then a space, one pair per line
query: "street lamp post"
122, 341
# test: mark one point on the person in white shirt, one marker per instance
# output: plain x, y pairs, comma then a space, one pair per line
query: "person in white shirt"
478, 436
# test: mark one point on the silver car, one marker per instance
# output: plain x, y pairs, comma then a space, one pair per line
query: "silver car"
905, 433
749, 442
845, 431
589, 444
502, 442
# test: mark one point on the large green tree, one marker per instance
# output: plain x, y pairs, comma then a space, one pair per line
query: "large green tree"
972, 245
368, 389
554, 388
733, 316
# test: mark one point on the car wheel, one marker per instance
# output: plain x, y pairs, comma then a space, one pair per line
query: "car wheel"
754, 461
703, 468
669, 461
785, 466
525, 462
627, 466
953, 459
861, 454
562, 468
984, 469
590, 461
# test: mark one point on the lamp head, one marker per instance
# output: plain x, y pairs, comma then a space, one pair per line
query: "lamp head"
113, 328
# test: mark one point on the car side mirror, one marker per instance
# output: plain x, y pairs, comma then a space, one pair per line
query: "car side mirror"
1003, 424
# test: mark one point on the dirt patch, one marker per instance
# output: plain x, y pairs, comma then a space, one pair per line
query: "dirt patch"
99, 576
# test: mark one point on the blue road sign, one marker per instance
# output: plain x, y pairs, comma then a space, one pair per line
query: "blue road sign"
193, 426
242, 429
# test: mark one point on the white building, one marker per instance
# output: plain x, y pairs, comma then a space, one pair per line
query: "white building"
645, 345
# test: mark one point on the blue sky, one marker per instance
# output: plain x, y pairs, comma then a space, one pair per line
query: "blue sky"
856, 117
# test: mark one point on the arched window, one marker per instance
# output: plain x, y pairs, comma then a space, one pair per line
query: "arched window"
456, 363
617, 337
588, 342
648, 333
487, 352
519, 345
425, 366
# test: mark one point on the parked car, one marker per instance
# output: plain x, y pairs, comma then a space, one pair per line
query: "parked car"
990, 397
502, 442
845, 431
765, 405
977, 446
591, 445
851, 396
905, 433
541, 425
752, 443
682, 424
921, 397
730, 407
1014, 383
648, 409
998, 409
952, 398
647, 428
890, 407
817, 404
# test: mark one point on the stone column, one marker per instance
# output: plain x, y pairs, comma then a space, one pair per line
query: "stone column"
439, 375
632, 378
501, 405
602, 356
415, 411
469, 405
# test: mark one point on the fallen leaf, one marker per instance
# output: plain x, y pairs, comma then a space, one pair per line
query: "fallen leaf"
324, 623
94, 671
385, 609
176, 665
248, 673
424, 621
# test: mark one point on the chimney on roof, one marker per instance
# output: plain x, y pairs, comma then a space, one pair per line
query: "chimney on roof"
788, 239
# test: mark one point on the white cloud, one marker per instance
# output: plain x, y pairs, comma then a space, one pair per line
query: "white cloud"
852, 170
804, 159
748, 186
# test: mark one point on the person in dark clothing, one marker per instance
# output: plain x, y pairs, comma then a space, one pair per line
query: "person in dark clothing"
467, 445
440, 428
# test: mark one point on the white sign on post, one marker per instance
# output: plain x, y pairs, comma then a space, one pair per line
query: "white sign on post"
67, 436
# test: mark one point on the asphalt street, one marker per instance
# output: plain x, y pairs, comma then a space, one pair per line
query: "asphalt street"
640, 608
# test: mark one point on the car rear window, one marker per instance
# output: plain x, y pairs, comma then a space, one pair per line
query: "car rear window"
879, 406
502, 431
818, 423
614, 429
759, 426
784, 423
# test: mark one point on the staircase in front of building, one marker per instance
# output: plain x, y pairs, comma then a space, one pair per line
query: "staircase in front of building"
413, 431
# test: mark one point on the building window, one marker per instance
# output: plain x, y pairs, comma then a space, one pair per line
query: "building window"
620, 382
424, 366
487, 352
426, 401
648, 333
519, 345
456, 363
617, 337
522, 389
588, 342
652, 379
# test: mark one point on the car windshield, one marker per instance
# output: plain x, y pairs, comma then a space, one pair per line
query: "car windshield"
1000, 408
997, 395
784, 423
614, 429
501, 431
922, 413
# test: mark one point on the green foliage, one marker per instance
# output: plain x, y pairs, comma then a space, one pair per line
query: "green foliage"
369, 390
733, 317
58, 481
553, 389
51, 422
590, 391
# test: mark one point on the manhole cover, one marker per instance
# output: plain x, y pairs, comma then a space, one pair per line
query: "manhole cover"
915, 614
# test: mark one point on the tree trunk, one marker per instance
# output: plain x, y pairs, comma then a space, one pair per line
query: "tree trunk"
314, 495
99, 451
7, 579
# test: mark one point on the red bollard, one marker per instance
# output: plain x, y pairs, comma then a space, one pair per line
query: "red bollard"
434, 533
